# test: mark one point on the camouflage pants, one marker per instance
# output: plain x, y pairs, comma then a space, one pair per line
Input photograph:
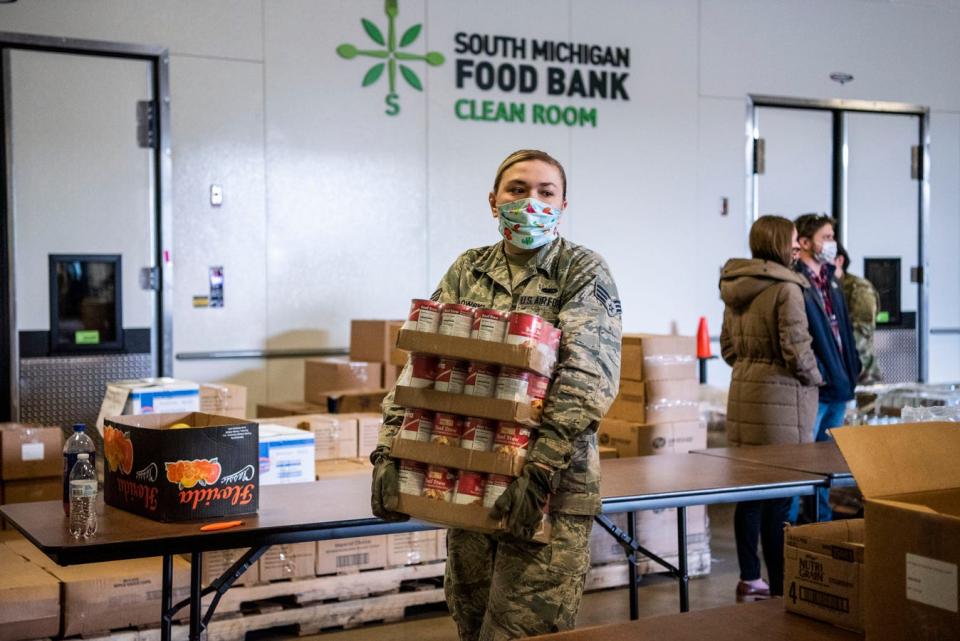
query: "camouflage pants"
499, 587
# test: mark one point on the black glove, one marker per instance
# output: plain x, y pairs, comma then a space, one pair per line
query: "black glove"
385, 490
524, 499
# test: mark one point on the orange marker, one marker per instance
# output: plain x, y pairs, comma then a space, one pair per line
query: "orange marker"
225, 525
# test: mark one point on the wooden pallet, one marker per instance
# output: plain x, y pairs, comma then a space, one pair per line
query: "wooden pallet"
343, 587
304, 620
615, 575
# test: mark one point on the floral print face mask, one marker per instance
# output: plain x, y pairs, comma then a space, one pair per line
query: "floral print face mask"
529, 223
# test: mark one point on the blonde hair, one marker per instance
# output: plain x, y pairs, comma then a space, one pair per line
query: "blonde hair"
523, 155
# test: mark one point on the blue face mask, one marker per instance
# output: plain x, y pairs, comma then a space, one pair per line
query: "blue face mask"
529, 223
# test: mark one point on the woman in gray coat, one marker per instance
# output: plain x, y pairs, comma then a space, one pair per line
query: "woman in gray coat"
773, 390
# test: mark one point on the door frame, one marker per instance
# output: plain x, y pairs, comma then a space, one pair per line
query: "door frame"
158, 58
839, 107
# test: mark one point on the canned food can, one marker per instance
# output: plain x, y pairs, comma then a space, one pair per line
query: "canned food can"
511, 438
524, 329
478, 434
481, 380
451, 375
447, 429
550, 337
537, 389
456, 320
423, 371
470, 488
512, 384
496, 485
411, 477
424, 316
490, 325
417, 425
439, 483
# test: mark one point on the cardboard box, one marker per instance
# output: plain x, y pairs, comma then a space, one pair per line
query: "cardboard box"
349, 555
30, 451
409, 548
656, 531
169, 474
289, 408
629, 405
537, 359
343, 468
390, 375
497, 409
223, 399
653, 357
288, 561
31, 490
457, 458
335, 435
287, 455
635, 439
910, 477
672, 401
29, 599
368, 431
323, 375
97, 597
474, 517
373, 340
608, 452
149, 396
823, 572
215, 562
355, 401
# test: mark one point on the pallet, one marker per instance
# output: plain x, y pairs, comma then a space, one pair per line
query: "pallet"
306, 620
343, 587
616, 575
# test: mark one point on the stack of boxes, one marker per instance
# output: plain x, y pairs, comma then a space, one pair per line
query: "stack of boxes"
31, 463
656, 412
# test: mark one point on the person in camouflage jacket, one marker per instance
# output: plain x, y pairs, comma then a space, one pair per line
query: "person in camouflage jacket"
863, 303
506, 586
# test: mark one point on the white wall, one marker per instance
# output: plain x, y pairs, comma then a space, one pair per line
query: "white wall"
334, 210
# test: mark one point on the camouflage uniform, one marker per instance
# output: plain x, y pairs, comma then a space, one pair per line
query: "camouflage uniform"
863, 301
497, 586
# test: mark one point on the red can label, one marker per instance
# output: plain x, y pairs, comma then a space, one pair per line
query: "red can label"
423, 371
496, 485
456, 320
481, 380
451, 376
511, 439
489, 325
478, 434
417, 425
537, 389
470, 488
447, 429
411, 477
424, 316
439, 483
512, 384
524, 329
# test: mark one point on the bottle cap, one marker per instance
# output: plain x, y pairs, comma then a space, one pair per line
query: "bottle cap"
83, 456
79, 427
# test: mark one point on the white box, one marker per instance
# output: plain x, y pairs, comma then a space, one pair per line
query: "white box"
149, 396
286, 455
368, 432
335, 434
350, 555
408, 548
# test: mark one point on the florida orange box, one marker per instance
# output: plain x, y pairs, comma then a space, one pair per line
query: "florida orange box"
209, 469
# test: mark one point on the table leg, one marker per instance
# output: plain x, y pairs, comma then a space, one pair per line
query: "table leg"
632, 568
196, 575
816, 505
682, 577
166, 599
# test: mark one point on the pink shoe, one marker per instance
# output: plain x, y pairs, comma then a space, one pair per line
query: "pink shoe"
747, 592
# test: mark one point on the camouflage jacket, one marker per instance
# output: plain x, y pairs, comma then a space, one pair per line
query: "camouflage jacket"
571, 287
863, 301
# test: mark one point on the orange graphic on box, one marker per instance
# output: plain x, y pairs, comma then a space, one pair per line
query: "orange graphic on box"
118, 448
187, 474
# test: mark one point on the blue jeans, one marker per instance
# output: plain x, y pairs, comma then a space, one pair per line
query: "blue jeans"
829, 415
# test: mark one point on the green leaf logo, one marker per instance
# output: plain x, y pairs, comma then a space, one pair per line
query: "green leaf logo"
391, 56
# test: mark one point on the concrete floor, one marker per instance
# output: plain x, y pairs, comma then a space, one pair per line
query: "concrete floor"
658, 595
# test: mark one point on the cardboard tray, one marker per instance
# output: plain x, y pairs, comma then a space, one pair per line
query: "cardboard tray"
464, 405
457, 458
472, 349
467, 517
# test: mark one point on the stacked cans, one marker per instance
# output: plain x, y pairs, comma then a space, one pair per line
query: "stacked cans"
461, 487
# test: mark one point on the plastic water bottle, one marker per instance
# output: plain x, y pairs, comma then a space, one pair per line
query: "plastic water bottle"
79, 442
83, 498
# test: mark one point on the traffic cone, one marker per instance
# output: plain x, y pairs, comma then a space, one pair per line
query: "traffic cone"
703, 339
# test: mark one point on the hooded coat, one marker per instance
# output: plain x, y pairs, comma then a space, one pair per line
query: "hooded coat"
765, 338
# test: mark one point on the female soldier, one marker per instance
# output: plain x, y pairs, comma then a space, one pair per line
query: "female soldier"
773, 391
506, 586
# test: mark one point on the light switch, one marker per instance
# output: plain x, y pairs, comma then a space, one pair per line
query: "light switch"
216, 195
